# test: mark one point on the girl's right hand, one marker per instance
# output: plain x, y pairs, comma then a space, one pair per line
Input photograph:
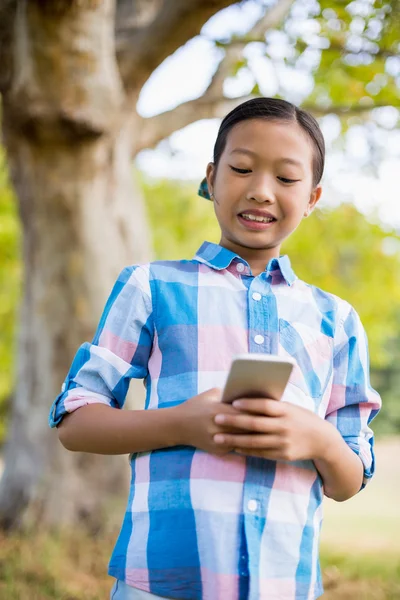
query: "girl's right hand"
196, 421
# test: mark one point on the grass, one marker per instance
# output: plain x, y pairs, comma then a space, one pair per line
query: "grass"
73, 567
64, 567
360, 550
361, 576
372, 515
360, 547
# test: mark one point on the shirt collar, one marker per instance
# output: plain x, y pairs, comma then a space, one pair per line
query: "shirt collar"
218, 258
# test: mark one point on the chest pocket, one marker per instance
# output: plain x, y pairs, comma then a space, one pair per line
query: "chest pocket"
313, 353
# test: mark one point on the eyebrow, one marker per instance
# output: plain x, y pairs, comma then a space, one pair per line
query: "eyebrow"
290, 161
243, 151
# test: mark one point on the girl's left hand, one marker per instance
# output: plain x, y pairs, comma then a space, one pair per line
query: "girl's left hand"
279, 430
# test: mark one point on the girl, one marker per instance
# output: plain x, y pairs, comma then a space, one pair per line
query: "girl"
226, 501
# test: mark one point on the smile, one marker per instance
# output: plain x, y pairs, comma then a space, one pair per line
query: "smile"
259, 219
256, 222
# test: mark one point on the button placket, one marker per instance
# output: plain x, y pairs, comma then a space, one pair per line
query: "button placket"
257, 317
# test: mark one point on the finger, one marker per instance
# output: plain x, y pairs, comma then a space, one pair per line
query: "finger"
225, 429
257, 441
261, 406
247, 422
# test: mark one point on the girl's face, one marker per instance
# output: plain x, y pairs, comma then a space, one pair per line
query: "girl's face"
262, 187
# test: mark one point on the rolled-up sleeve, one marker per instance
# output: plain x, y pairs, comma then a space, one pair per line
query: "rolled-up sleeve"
101, 370
353, 402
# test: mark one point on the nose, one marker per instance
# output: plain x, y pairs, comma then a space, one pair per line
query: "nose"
261, 190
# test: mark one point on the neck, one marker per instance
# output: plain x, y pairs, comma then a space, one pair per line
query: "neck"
257, 258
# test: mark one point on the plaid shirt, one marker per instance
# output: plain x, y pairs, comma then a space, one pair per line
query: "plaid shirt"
199, 526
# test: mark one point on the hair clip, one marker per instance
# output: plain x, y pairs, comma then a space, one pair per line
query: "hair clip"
203, 190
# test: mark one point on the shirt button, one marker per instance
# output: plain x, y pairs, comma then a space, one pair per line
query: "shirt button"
63, 387
240, 267
256, 296
259, 339
252, 505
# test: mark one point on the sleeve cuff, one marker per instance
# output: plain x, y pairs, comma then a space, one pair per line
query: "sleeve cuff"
365, 451
69, 401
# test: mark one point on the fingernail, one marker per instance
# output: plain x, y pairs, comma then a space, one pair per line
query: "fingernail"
219, 439
237, 404
219, 418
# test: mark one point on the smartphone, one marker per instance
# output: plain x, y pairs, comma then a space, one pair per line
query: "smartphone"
257, 375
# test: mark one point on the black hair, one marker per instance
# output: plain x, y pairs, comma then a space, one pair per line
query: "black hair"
274, 109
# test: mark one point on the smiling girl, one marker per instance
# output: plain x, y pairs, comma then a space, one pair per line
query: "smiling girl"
226, 501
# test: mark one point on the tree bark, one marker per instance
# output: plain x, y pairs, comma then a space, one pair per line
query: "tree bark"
83, 221
69, 146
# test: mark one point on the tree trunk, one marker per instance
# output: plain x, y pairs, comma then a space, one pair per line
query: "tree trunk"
69, 147
83, 222
70, 130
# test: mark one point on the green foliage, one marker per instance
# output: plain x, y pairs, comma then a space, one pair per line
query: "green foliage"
356, 52
180, 220
387, 381
351, 54
10, 282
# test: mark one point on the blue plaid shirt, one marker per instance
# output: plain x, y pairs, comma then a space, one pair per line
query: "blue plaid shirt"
199, 526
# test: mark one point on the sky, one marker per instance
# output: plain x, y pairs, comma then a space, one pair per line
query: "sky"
186, 74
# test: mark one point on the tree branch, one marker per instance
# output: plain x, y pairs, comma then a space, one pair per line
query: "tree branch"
212, 104
154, 129
168, 25
270, 20
234, 50
342, 110
341, 48
159, 127
333, 47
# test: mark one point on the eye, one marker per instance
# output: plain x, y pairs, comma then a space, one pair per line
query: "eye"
286, 180
241, 171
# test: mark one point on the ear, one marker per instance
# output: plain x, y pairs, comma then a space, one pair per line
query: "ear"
210, 173
314, 198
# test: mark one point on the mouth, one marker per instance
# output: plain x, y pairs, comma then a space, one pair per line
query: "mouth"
256, 220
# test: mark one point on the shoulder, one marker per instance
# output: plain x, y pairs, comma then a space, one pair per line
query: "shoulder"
174, 271
324, 299
146, 275
334, 310
134, 276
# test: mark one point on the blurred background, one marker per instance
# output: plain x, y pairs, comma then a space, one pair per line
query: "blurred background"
109, 115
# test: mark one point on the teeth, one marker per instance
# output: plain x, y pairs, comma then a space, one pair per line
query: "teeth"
256, 218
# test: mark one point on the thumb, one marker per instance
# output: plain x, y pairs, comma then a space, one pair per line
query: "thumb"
215, 394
